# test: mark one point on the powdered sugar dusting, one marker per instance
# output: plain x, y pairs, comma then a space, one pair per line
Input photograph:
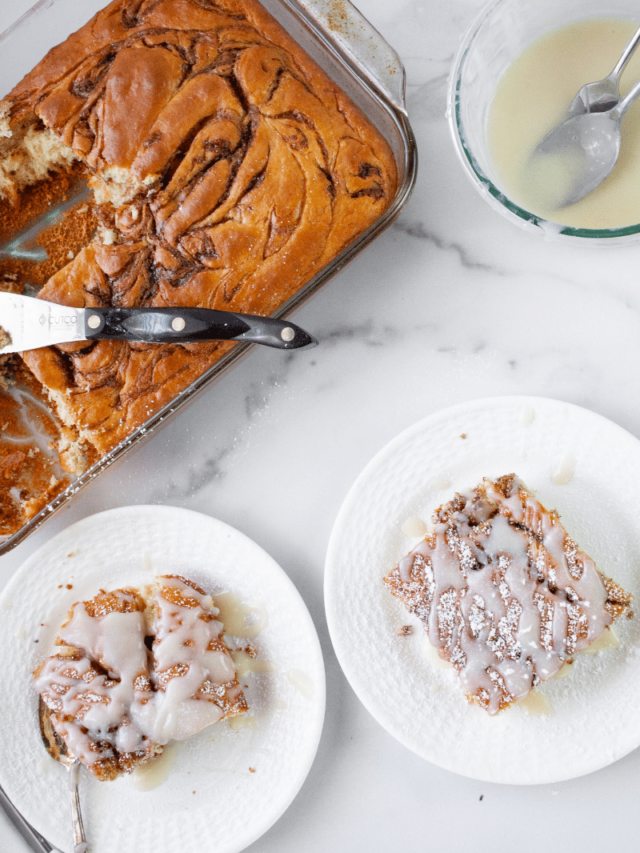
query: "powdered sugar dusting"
510, 605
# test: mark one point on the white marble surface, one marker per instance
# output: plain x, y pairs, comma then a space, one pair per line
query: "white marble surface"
452, 303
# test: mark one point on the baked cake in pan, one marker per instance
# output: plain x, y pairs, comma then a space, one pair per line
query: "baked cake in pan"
135, 669
503, 592
226, 169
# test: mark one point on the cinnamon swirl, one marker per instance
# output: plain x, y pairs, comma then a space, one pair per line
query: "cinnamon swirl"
227, 170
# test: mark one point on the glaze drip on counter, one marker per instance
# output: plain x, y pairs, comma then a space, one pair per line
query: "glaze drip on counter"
503, 592
135, 670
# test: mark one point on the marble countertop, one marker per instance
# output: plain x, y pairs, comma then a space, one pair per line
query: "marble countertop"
452, 303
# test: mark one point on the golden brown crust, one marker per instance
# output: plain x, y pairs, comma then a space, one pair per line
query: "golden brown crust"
238, 168
618, 601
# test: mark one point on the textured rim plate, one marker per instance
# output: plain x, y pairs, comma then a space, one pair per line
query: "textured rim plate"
225, 788
578, 463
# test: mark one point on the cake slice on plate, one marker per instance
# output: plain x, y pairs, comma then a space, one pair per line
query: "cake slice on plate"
503, 592
136, 669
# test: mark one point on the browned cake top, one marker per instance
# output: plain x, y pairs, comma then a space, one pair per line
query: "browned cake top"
503, 592
238, 170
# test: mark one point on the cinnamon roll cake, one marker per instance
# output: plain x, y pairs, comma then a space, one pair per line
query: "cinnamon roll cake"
135, 669
503, 592
226, 170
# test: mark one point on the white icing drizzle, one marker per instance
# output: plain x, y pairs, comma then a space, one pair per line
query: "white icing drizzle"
442, 484
414, 528
148, 776
241, 620
246, 661
565, 471
302, 682
536, 704
608, 640
502, 591
431, 654
528, 416
244, 721
115, 701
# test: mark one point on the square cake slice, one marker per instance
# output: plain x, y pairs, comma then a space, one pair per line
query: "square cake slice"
135, 669
503, 592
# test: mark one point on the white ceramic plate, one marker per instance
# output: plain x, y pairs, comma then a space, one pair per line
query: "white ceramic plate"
226, 788
577, 462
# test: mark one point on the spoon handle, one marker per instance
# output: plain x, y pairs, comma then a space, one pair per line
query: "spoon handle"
626, 54
30, 835
79, 838
626, 102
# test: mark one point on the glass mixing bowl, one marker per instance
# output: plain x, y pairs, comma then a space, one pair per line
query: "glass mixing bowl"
499, 35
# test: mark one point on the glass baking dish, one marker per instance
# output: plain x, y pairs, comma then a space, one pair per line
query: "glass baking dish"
354, 55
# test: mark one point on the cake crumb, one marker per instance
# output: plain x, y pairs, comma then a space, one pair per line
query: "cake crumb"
5, 338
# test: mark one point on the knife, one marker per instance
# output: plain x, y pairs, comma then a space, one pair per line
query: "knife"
28, 323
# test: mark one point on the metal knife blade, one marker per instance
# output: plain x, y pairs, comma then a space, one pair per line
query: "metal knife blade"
30, 323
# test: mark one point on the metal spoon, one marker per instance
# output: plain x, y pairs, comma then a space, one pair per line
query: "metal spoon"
604, 94
57, 749
583, 150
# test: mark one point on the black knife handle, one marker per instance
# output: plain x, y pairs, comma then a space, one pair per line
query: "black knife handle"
188, 325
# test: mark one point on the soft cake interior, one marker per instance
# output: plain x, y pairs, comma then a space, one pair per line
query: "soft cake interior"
29, 152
